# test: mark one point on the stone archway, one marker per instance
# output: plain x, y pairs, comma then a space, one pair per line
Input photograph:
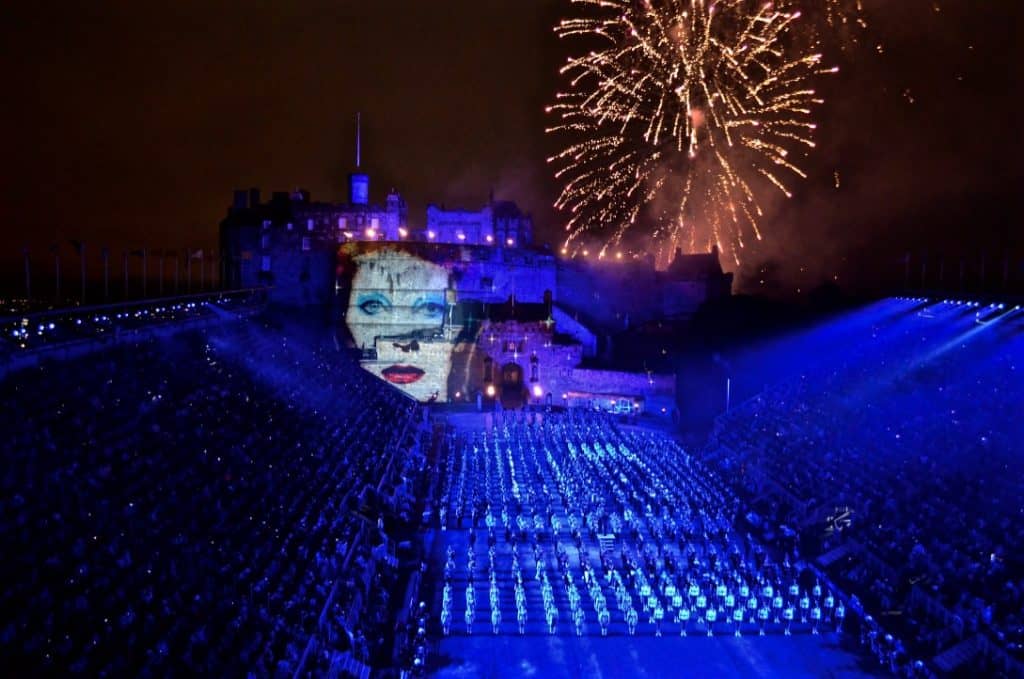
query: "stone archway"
512, 388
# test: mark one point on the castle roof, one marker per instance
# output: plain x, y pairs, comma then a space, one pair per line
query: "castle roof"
698, 266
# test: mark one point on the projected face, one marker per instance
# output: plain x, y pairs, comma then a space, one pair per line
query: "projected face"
396, 307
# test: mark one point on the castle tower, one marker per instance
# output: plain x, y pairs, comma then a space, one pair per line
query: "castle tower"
358, 182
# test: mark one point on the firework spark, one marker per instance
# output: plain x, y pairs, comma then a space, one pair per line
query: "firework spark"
837, 23
681, 117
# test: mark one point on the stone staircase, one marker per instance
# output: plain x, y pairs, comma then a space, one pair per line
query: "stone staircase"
347, 666
959, 655
834, 555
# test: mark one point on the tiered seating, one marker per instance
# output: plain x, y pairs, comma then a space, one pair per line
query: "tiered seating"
184, 505
915, 425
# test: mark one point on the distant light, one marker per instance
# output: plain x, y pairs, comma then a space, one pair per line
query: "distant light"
371, 233
490, 238
490, 390
461, 236
431, 235
586, 253
537, 391
402, 232
51, 326
565, 251
458, 394
509, 241
349, 234
618, 255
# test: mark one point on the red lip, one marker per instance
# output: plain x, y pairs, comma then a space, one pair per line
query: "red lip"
402, 374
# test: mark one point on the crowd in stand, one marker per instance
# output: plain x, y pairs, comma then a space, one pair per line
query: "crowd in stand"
191, 504
911, 431
61, 327
567, 523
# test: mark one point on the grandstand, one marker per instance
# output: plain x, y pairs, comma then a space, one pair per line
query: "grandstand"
238, 497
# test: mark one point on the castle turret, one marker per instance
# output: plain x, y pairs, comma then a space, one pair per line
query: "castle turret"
358, 182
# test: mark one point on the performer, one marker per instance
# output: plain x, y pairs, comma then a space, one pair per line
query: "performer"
737, 618
631, 620
659, 615
684, 619
762, 616
711, 615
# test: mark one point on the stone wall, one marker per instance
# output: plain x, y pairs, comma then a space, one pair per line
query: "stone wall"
568, 325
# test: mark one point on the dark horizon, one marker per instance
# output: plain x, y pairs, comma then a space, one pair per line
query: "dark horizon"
131, 126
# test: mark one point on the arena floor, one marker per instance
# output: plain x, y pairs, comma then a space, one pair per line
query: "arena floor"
538, 653
649, 657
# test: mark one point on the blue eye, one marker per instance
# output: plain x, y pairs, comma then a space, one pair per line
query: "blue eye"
429, 309
371, 306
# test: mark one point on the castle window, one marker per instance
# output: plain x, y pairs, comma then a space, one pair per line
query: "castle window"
265, 263
306, 243
510, 346
265, 241
309, 225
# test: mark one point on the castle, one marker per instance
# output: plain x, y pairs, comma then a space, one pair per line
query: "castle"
537, 318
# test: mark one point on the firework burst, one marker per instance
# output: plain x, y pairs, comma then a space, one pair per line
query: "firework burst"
680, 118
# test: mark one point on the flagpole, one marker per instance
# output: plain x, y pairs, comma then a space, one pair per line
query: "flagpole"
202, 272
28, 274
160, 288
144, 258
188, 270
106, 274
56, 270
124, 266
81, 261
177, 265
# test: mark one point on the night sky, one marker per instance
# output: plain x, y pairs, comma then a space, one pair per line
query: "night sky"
129, 124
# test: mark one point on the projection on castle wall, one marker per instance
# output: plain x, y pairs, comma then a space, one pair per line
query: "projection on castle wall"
396, 310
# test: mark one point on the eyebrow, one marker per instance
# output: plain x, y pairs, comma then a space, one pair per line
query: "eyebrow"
437, 299
368, 296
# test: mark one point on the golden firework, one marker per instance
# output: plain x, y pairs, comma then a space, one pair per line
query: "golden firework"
682, 116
